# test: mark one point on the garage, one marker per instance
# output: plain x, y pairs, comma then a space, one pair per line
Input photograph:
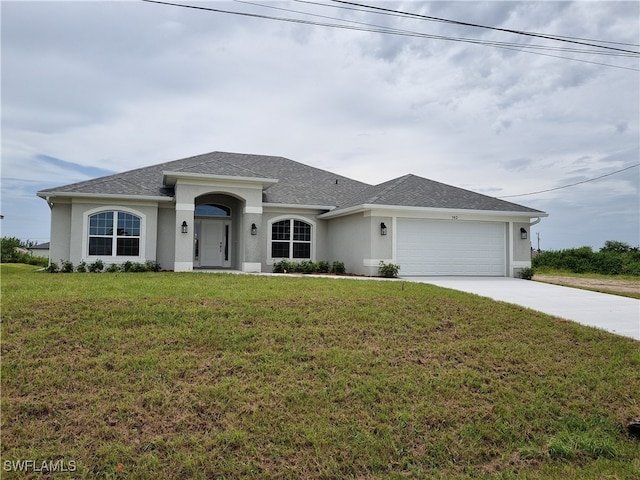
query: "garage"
451, 247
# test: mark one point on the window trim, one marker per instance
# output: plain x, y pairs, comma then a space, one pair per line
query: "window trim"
114, 257
272, 260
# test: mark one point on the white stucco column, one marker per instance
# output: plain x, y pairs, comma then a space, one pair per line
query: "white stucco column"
183, 259
252, 215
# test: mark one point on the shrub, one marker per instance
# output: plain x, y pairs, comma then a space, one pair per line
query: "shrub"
283, 266
67, 266
53, 268
126, 266
82, 267
9, 252
527, 273
337, 267
113, 268
152, 266
614, 258
389, 270
139, 267
97, 266
306, 266
323, 267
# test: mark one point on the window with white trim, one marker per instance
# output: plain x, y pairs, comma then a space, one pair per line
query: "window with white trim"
114, 233
291, 239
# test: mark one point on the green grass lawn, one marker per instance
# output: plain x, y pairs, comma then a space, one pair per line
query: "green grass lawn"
233, 376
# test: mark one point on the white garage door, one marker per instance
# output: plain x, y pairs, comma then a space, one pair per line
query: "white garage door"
450, 247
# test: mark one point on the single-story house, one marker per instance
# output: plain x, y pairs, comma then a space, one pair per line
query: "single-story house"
247, 212
40, 250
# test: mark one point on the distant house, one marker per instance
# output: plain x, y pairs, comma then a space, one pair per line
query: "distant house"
40, 250
247, 212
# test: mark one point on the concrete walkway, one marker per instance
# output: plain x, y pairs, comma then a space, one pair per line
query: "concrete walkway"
613, 313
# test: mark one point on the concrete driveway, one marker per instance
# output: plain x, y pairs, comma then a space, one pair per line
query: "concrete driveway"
615, 314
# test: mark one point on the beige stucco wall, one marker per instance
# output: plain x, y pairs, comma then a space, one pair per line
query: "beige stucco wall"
349, 241
521, 248
60, 231
165, 249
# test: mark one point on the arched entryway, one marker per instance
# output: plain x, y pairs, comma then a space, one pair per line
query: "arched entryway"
216, 217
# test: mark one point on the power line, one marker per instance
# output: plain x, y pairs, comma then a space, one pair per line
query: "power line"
400, 15
383, 29
572, 184
467, 24
394, 31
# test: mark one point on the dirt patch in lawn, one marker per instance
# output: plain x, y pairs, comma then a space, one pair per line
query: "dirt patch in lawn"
601, 284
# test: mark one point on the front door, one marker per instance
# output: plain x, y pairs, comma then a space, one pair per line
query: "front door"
214, 243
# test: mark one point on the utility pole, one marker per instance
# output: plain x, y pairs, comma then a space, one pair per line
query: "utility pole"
538, 235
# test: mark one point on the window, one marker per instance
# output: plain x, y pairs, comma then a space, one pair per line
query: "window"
291, 239
212, 210
123, 240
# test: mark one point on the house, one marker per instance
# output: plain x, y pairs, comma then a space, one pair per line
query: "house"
40, 250
247, 212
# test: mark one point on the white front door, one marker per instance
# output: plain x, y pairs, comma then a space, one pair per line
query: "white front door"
214, 246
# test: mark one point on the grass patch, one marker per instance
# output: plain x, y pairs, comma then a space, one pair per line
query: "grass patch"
623, 285
231, 376
597, 276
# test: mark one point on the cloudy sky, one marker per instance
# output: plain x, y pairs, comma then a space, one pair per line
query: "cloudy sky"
93, 88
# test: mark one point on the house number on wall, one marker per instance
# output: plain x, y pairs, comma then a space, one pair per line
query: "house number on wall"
454, 217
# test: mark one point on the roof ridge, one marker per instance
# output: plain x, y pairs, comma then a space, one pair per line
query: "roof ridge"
393, 184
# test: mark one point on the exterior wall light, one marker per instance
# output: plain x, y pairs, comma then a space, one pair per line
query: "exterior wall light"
254, 229
185, 229
523, 233
383, 229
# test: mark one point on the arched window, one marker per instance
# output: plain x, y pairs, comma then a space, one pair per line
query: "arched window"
291, 239
114, 233
212, 210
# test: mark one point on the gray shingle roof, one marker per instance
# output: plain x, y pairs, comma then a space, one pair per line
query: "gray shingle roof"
414, 191
298, 184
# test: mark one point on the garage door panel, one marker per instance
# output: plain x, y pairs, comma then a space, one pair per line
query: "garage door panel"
444, 247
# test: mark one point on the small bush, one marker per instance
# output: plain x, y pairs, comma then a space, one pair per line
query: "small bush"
66, 266
152, 266
283, 266
338, 267
527, 273
306, 266
82, 267
53, 268
389, 270
97, 266
126, 266
138, 267
113, 268
323, 267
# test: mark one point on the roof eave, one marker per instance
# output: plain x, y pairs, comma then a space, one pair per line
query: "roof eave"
298, 206
52, 194
369, 206
170, 178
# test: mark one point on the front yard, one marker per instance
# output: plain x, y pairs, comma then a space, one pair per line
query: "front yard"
165, 375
